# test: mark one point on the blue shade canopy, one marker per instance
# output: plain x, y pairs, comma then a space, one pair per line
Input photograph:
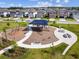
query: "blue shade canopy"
39, 22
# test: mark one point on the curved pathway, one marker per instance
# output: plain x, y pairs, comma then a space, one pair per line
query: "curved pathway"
64, 21
27, 35
70, 41
59, 35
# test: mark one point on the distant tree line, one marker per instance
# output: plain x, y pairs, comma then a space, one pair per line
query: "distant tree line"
77, 8
15, 8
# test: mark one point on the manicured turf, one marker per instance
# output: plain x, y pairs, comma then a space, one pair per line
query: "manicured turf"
55, 52
4, 24
11, 25
70, 20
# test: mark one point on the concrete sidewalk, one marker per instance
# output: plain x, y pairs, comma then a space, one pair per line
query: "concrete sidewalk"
59, 35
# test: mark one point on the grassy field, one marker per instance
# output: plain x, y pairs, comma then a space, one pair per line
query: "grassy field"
4, 24
53, 52
70, 20
11, 25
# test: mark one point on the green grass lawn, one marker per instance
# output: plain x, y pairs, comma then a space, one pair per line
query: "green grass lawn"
53, 52
4, 24
11, 25
70, 20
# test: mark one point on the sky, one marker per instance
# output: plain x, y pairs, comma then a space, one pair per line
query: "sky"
39, 3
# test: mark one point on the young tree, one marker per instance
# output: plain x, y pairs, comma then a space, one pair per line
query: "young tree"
4, 30
8, 24
1, 43
21, 18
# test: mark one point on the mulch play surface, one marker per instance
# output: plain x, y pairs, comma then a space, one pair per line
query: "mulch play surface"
44, 36
15, 34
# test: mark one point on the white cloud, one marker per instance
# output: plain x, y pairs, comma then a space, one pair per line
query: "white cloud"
11, 5
66, 1
41, 4
44, 4
19, 5
57, 1
40, 0
16, 5
58, 5
33, 0
51, 0
1, 3
4, 4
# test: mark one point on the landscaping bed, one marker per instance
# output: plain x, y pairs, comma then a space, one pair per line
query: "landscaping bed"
46, 53
5, 43
16, 33
15, 53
